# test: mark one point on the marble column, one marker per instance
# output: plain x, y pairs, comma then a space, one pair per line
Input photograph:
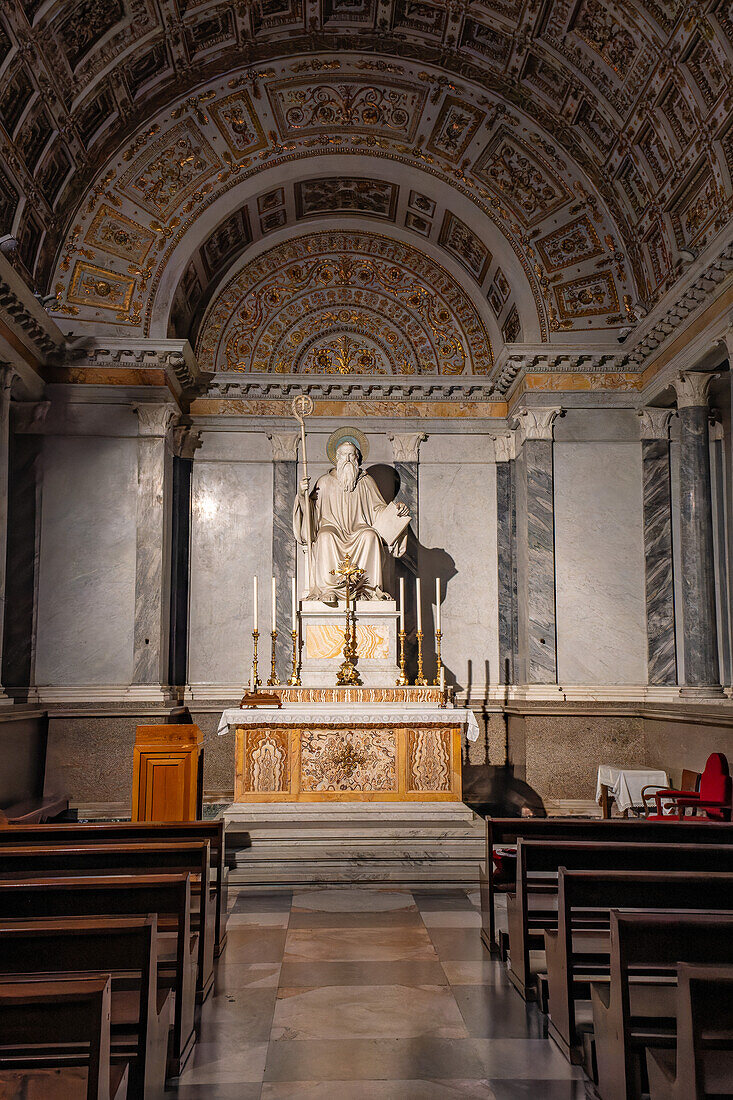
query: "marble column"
284, 549
406, 459
660, 622
183, 442
536, 618
152, 571
717, 459
506, 532
697, 565
7, 377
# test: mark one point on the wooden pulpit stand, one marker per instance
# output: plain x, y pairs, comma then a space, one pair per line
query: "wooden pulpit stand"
167, 773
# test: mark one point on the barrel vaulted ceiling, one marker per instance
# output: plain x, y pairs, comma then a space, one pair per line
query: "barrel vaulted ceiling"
363, 186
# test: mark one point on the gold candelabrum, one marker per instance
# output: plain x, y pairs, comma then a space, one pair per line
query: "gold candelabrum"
255, 681
273, 681
420, 680
438, 657
348, 673
294, 680
403, 681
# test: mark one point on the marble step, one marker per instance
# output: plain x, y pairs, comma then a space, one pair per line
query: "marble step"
407, 873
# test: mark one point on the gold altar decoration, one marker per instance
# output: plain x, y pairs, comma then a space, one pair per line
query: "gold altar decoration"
342, 763
348, 674
438, 657
294, 680
255, 680
403, 681
273, 681
420, 680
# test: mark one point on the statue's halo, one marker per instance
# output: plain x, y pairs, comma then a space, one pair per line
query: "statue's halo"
347, 435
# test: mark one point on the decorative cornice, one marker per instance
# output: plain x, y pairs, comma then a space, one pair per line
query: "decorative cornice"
353, 386
516, 359
21, 314
692, 388
154, 419
654, 423
406, 446
284, 446
536, 424
174, 358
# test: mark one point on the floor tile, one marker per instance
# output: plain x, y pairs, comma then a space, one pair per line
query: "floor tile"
263, 903
451, 918
367, 1012
461, 944
395, 972
528, 1059
402, 918
263, 919
313, 945
225, 1064
237, 1014
498, 1013
379, 1059
230, 975
243, 1090
364, 900
447, 899
378, 1090
486, 971
538, 1090
254, 944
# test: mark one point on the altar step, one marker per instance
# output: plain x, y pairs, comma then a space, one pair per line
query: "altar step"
426, 845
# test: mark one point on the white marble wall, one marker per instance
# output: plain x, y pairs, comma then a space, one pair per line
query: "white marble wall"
231, 540
599, 554
458, 519
86, 596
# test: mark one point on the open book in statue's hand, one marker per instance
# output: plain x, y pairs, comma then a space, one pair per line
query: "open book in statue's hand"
391, 524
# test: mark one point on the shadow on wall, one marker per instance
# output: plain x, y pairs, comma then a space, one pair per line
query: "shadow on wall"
497, 792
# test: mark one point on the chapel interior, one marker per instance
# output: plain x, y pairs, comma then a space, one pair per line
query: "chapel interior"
366, 549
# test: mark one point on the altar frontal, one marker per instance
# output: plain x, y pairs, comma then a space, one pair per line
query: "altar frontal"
348, 725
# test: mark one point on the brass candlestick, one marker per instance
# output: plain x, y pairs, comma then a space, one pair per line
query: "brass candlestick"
403, 681
273, 681
348, 674
420, 681
294, 680
438, 658
255, 681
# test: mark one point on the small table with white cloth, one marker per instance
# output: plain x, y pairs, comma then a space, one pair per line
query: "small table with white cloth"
624, 786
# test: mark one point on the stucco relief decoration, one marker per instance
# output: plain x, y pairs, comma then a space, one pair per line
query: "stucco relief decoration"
344, 356
569, 245
95, 286
595, 26
302, 107
239, 123
523, 178
119, 235
428, 761
460, 240
455, 127
345, 195
592, 296
348, 760
302, 297
169, 170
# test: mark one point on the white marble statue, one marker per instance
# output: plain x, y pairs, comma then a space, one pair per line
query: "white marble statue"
347, 514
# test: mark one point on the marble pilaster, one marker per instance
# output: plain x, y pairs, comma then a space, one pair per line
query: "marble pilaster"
152, 581
699, 620
536, 614
284, 563
183, 442
406, 456
7, 376
660, 611
506, 518
718, 460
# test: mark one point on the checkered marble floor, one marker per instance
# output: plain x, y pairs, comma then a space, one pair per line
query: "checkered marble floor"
367, 994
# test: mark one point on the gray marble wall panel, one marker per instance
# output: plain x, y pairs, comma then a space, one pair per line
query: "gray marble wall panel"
660, 623
538, 589
697, 549
506, 569
599, 554
24, 526
151, 579
284, 488
86, 594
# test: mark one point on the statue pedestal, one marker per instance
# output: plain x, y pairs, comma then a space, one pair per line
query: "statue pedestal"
323, 642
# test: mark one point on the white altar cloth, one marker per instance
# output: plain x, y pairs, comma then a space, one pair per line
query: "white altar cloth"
328, 714
625, 784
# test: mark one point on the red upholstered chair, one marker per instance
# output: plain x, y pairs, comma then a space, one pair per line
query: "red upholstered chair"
712, 799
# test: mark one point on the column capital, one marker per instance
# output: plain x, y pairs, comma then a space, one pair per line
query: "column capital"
7, 377
284, 446
406, 446
184, 440
654, 423
154, 418
504, 446
716, 430
692, 388
536, 423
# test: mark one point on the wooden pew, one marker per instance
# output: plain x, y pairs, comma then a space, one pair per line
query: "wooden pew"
535, 858
702, 1064
38, 1023
124, 947
633, 1010
575, 957
191, 857
506, 831
122, 832
168, 896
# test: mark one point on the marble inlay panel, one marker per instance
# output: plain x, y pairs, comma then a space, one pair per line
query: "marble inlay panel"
660, 624
266, 760
506, 569
348, 760
149, 581
324, 641
540, 562
428, 760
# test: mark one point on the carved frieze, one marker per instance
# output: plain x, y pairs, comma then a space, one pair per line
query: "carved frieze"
345, 195
522, 177
303, 106
458, 239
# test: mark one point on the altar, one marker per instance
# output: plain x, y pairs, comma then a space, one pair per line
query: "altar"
350, 744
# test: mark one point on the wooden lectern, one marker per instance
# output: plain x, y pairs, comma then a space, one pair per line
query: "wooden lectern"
167, 773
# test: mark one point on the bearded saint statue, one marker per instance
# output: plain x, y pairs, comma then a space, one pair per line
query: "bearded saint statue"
344, 508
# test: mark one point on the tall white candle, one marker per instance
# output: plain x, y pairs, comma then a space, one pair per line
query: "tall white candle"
419, 603
295, 606
274, 605
254, 604
437, 603
402, 603
442, 678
